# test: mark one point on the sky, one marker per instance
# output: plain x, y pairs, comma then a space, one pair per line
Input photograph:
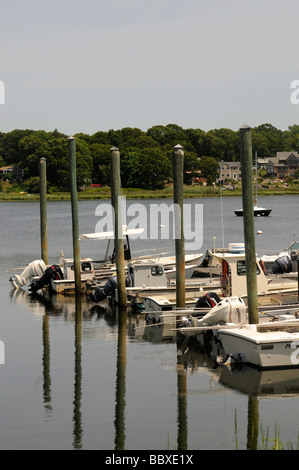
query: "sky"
94, 65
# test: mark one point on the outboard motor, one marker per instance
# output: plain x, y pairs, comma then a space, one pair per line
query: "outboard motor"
205, 261
281, 265
229, 310
53, 272
101, 293
208, 300
33, 269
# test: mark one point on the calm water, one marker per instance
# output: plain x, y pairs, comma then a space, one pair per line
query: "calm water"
89, 380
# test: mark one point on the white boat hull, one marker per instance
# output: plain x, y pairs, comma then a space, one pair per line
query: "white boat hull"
274, 349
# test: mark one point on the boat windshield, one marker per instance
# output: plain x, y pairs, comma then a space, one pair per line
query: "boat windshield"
241, 268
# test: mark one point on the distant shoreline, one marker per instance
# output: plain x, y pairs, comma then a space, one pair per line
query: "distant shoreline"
132, 193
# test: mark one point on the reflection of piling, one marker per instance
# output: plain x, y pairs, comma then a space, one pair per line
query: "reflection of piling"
75, 218
120, 398
182, 439
46, 364
77, 414
43, 209
118, 233
253, 423
178, 197
248, 222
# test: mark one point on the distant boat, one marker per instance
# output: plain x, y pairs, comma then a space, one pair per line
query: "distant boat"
257, 211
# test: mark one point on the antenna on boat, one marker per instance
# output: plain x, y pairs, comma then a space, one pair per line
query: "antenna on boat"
255, 200
221, 205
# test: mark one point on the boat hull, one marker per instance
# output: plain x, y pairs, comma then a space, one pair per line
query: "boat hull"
264, 350
258, 212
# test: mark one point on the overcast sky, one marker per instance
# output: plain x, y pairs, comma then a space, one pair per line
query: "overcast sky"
89, 65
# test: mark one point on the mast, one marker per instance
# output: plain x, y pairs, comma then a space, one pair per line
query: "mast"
255, 200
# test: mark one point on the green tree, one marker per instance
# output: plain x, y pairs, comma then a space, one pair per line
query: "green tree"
100, 154
99, 138
11, 153
129, 168
171, 134
31, 185
209, 168
155, 169
267, 140
222, 144
291, 138
191, 166
197, 139
41, 144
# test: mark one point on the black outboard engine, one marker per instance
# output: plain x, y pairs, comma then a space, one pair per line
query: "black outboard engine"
101, 293
281, 265
208, 300
53, 272
205, 261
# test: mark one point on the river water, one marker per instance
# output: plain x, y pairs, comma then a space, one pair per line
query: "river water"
83, 377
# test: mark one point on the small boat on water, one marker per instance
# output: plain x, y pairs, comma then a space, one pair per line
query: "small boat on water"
257, 211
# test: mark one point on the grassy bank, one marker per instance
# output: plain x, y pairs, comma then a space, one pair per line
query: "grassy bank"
132, 193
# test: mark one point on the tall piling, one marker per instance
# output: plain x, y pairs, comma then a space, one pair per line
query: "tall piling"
248, 222
178, 198
118, 232
43, 209
75, 217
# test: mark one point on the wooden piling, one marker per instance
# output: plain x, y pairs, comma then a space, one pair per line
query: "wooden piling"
118, 232
75, 218
248, 222
43, 209
178, 198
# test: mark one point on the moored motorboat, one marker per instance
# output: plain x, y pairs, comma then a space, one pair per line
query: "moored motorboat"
272, 345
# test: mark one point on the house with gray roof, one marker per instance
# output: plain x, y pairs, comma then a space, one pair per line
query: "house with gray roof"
283, 165
230, 171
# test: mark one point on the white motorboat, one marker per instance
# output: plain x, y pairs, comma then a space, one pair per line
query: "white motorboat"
100, 270
108, 262
232, 283
272, 345
266, 345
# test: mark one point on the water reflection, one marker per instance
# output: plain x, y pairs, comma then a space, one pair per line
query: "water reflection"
46, 366
77, 416
120, 389
182, 419
257, 384
191, 357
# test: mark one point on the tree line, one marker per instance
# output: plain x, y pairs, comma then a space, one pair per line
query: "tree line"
146, 156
